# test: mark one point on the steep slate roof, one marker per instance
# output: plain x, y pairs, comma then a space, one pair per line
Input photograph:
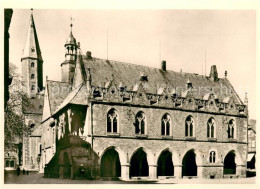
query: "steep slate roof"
57, 92
103, 71
125, 74
32, 41
68, 99
34, 105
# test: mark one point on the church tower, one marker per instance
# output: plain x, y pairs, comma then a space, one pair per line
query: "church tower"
68, 66
32, 62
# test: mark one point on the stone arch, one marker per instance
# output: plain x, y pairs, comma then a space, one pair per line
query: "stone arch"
238, 158
189, 164
229, 162
198, 156
150, 156
121, 154
110, 165
139, 165
166, 158
175, 159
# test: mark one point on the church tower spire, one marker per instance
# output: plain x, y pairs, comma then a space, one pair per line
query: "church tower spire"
32, 71
68, 66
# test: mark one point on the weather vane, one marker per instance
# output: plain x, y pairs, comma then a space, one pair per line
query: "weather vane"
71, 25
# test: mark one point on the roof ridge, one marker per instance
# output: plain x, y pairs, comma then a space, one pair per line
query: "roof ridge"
133, 64
57, 81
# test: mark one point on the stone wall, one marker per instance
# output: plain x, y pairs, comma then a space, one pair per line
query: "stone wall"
126, 143
31, 145
153, 122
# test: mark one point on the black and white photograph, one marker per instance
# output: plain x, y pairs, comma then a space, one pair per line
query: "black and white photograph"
129, 95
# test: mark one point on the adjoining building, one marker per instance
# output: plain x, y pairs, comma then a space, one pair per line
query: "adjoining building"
32, 71
251, 144
113, 119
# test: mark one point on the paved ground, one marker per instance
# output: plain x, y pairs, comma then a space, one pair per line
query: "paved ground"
36, 178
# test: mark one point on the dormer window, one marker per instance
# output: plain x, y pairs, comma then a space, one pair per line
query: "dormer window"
144, 77
188, 84
96, 92
122, 88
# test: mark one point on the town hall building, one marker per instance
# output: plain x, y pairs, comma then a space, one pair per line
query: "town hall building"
120, 120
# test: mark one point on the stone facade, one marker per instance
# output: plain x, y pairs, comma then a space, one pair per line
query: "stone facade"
129, 121
251, 144
32, 77
32, 142
11, 157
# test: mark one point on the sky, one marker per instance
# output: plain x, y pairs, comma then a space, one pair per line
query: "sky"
187, 39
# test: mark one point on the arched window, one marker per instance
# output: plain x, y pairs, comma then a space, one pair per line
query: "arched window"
166, 125
32, 64
32, 76
211, 128
212, 157
140, 123
189, 126
112, 120
12, 163
231, 129
33, 88
7, 163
